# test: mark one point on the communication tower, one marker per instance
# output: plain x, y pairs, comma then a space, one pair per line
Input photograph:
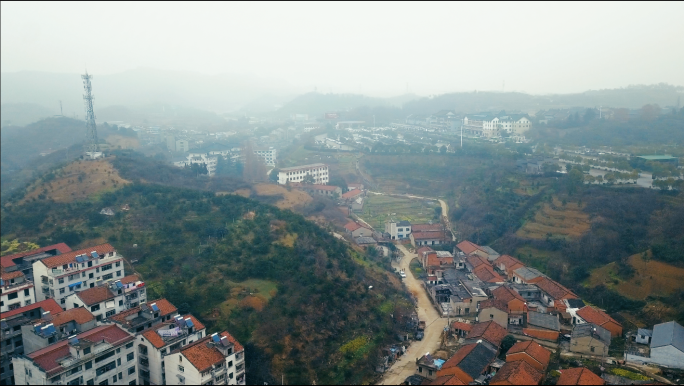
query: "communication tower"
91, 147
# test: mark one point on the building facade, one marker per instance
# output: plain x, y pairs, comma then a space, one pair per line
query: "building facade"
318, 171
218, 359
16, 291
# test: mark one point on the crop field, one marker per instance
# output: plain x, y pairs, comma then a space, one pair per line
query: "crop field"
651, 277
567, 221
380, 208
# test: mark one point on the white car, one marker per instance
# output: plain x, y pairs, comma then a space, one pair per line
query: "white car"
402, 274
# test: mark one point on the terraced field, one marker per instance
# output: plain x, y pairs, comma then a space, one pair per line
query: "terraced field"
558, 220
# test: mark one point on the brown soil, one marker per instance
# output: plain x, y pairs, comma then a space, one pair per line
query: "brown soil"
290, 199
559, 220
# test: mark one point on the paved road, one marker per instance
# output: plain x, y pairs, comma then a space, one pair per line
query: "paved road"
406, 365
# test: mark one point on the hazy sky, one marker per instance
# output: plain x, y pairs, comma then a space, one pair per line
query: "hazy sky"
374, 48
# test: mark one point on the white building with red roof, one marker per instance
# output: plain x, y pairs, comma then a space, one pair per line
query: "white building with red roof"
103, 355
61, 275
218, 358
23, 261
357, 230
16, 290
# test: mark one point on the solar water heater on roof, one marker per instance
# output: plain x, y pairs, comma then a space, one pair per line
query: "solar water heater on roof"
154, 307
94, 254
73, 340
215, 338
118, 284
224, 341
189, 323
36, 328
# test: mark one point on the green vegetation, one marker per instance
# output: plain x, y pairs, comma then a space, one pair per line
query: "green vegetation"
223, 259
379, 208
10, 247
629, 374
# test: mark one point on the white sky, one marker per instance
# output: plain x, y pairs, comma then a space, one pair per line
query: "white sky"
373, 48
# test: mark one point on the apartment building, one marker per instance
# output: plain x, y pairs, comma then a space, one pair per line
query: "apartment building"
267, 155
217, 359
318, 171
51, 328
24, 261
16, 291
398, 229
11, 334
60, 276
103, 355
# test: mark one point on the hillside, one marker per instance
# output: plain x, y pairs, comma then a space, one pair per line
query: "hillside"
295, 295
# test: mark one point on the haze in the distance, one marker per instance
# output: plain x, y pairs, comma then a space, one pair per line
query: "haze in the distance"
378, 49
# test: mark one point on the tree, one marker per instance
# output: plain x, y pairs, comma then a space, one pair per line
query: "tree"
273, 177
198, 169
589, 115
442, 149
550, 168
308, 179
506, 344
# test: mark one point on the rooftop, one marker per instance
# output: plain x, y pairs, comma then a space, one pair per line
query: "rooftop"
426, 227
508, 261
589, 329
128, 318
527, 273
670, 333
596, 316
46, 305
78, 315
352, 193
8, 261
547, 321
467, 247
506, 294
293, 168
494, 303
533, 349
579, 376
472, 359
92, 296
203, 355
518, 373
657, 157
490, 331
554, 289
157, 340
70, 257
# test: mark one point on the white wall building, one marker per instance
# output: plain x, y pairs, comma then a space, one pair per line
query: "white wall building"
16, 291
182, 145
101, 356
219, 359
297, 174
60, 276
398, 230
200, 158
109, 299
267, 155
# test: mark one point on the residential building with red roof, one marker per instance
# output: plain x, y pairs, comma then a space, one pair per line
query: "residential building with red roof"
494, 310
102, 355
218, 358
579, 376
144, 316
51, 328
588, 314
468, 248
552, 291
155, 343
355, 229
16, 290
491, 334
515, 303
11, 333
467, 364
461, 329
61, 275
420, 238
487, 274
517, 373
24, 261
507, 264
435, 262
531, 352
110, 298
352, 194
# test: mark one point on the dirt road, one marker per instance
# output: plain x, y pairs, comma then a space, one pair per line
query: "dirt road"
406, 365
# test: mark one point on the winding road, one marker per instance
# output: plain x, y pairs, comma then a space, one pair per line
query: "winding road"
406, 365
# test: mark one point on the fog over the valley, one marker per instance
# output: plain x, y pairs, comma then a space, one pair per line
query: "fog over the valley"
188, 53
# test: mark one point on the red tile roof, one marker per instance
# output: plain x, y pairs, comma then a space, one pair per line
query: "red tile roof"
444, 380
130, 279
595, 316
426, 228
494, 303
506, 294
435, 261
202, 357
238, 346
461, 326
352, 193
70, 257
46, 305
509, 262
11, 275
533, 349
427, 235
47, 357
490, 331
420, 251
165, 308
487, 274
92, 296
79, 315
352, 226
477, 261
541, 334
157, 341
555, 290
467, 247
579, 376
7, 261
517, 373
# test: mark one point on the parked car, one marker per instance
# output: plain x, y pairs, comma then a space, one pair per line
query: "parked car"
402, 274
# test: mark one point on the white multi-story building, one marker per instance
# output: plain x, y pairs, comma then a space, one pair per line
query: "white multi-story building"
297, 173
218, 359
267, 155
398, 230
110, 298
100, 356
182, 145
486, 125
16, 291
60, 276
200, 158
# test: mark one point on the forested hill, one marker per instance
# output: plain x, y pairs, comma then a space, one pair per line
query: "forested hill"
298, 298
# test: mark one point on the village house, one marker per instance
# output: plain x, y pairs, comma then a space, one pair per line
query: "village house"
16, 290
494, 310
352, 195
11, 333
532, 295
355, 230
419, 238
469, 363
553, 294
571, 308
69, 272
322, 190
101, 355
351, 187
579, 376
487, 274
507, 264
667, 345
542, 326
531, 352
595, 316
435, 262
514, 302
398, 230
468, 248
490, 333
51, 328
526, 275
428, 366
517, 373
644, 336
590, 339
461, 329
218, 359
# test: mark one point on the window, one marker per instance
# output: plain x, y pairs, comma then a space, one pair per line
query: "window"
88, 365
106, 267
230, 364
90, 264
90, 382
91, 275
181, 369
118, 362
95, 308
13, 295
103, 369
120, 376
105, 356
118, 273
129, 345
60, 281
130, 357
592, 348
110, 313
132, 382
74, 370
131, 370
86, 351
27, 292
491, 316
118, 264
63, 301
120, 302
61, 290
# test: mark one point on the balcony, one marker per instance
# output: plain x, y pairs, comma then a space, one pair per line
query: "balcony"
143, 361
144, 374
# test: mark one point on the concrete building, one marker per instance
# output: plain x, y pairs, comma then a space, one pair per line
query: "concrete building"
171, 143
73, 271
322, 190
99, 356
182, 145
199, 159
11, 334
110, 298
398, 229
51, 328
318, 171
267, 155
24, 261
15, 291
494, 310
590, 339
667, 345
218, 359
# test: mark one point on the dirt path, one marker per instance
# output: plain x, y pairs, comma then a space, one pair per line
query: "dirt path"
406, 365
